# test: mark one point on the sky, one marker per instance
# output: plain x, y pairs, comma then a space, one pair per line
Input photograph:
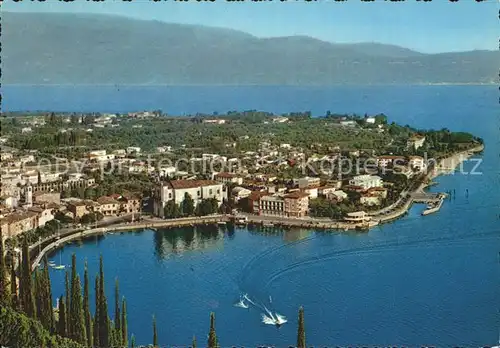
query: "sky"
428, 27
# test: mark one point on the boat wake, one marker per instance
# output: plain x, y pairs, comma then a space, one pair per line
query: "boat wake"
268, 318
241, 303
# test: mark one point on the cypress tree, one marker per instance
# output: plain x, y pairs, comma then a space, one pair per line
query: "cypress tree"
117, 314
86, 307
103, 309
155, 333
67, 305
71, 309
38, 294
124, 324
212, 336
97, 314
77, 320
48, 311
61, 324
13, 287
132, 341
26, 284
193, 344
301, 335
4, 288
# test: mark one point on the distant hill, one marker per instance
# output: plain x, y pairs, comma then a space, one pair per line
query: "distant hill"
98, 49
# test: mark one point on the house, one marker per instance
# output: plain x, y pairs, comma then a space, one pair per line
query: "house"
133, 150
348, 123
378, 191
9, 201
176, 190
214, 121
285, 146
370, 120
386, 161
163, 149
239, 193
108, 206
415, 141
280, 119
417, 163
307, 182
311, 191
338, 195
18, 223
44, 214
26, 130
81, 208
228, 178
370, 199
4, 156
366, 181
295, 204
356, 217
47, 197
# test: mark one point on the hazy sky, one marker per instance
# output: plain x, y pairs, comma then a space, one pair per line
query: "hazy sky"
438, 26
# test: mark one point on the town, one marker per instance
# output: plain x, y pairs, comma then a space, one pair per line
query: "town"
63, 170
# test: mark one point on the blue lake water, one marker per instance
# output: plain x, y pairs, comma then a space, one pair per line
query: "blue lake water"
430, 280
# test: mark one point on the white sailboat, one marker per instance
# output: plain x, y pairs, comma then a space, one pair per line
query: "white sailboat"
60, 266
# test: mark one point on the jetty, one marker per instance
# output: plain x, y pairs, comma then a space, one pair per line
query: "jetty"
435, 205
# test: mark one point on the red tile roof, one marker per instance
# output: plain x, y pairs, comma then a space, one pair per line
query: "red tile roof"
186, 184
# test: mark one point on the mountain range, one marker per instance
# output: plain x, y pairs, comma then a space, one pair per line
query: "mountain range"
63, 48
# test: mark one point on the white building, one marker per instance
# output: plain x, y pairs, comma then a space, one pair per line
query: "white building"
416, 141
285, 146
307, 182
338, 195
417, 163
133, 149
366, 181
239, 193
177, 189
370, 120
370, 200
228, 178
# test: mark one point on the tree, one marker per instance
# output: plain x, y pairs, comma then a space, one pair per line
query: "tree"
43, 297
4, 288
124, 332
77, 318
86, 307
301, 335
13, 286
117, 327
61, 324
26, 291
97, 314
193, 343
171, 210
132, 341
212, 336
68, 303
155, 333
103, 309
187, 205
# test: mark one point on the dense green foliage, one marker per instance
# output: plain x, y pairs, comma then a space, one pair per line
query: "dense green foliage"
5, 298
19, 331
